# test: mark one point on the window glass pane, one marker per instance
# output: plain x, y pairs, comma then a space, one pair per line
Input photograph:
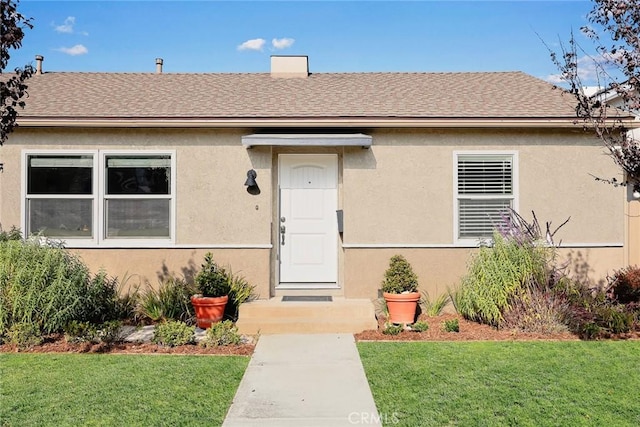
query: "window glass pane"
138, 174
59, 174
478, 218
485, 175
138, 218
60, 217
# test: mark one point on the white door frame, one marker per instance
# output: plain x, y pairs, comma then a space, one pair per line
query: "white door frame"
308, 192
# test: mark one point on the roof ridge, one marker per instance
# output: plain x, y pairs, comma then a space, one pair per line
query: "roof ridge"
330, 73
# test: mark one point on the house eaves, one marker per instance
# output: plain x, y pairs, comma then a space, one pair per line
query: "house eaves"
466, 123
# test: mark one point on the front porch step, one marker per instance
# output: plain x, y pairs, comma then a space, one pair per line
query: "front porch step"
276, 317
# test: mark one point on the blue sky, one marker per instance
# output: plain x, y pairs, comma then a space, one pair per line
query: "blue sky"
338, 36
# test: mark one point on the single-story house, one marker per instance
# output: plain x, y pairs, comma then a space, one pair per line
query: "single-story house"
143, 173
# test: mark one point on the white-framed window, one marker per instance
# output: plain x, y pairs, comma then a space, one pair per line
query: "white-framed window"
104, 198
485, 188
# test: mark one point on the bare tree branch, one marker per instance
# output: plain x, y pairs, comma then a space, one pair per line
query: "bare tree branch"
617, 71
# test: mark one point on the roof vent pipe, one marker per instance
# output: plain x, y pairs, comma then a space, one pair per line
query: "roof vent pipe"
159, 65
39, 59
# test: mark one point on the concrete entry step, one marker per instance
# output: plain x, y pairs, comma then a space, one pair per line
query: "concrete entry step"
274, 316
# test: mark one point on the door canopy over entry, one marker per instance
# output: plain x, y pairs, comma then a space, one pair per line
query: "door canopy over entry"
308, 140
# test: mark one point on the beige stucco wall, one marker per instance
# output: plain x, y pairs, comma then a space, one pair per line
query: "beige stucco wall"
397, 197
401, 190
633, 230
212, 204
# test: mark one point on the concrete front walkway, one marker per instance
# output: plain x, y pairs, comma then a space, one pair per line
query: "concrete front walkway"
304, 380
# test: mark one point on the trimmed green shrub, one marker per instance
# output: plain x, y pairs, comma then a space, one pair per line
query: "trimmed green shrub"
212, 280
24, 335
44, 284
111, 332
452, 325
173, 333
108, 332
420, 326
221, 334
78, 332
399, 277
391, 329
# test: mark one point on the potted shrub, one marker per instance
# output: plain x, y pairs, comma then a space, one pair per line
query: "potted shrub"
399, 289
212, 285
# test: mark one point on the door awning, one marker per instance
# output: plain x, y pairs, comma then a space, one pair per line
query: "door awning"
308, 140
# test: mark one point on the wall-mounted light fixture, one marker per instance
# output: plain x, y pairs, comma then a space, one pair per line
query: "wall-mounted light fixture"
636, 191
252, 185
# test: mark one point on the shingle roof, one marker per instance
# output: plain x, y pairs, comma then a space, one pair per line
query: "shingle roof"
323, 95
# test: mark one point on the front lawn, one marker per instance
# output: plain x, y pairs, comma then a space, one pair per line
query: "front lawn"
122, 390
504, 383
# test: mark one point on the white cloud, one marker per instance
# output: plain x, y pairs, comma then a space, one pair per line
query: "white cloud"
253, 44
75, 50
590, 69
67, 26
556, 79
282, 43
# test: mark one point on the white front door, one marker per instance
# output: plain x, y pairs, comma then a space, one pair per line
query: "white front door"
308, 232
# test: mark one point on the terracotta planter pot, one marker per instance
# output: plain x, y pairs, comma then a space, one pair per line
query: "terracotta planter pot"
402, 307
208, 310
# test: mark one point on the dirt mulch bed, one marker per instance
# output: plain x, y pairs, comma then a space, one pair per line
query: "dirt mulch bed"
57, 344
469, 331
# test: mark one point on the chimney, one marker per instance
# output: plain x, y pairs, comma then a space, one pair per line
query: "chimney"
39, 59
159, 65
289, 66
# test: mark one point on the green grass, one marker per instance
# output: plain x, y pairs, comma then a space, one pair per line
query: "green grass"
116, 390
505, 383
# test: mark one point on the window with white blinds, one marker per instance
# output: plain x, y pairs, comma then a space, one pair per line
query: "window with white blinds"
485, 190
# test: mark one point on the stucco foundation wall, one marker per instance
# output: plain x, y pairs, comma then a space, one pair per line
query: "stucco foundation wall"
440, 268
149, 266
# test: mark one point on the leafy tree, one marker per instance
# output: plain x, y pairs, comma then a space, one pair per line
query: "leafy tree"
617, 67
12, 89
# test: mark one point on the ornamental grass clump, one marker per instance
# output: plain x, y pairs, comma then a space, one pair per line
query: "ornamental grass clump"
169, 301
520, 258
399, 277
45, 285
498, 274
433, 307
240, 290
